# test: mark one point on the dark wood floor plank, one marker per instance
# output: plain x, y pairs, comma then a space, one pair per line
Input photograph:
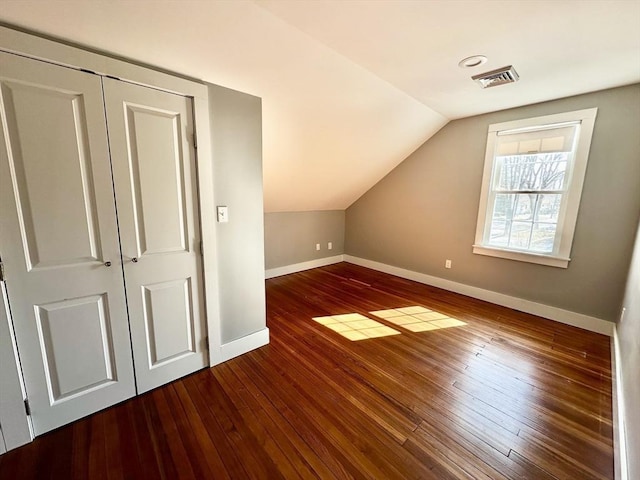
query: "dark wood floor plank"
157, 436
134, 419
254, 458
442, 446
276, 446
57, 466
80, 447
230, 456
113, 445
393, 417
506, 396
573, 449
182, 429
97, 448
351, 429
308, 463
298, 415
201, 439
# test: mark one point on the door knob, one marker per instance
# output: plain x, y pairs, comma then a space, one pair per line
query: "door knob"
107, 264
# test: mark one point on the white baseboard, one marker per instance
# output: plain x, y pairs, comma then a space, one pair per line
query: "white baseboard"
243, 345
299, 267
619, 433
579, 320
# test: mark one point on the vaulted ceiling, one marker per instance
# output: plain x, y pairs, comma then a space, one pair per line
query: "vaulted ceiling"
350, 88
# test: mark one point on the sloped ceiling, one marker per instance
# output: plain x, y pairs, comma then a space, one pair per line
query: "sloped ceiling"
350, 88
559, 48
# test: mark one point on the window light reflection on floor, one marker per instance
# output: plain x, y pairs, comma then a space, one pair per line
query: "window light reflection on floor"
356, 327
417, 319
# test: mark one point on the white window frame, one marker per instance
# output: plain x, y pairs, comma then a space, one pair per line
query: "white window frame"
560, 256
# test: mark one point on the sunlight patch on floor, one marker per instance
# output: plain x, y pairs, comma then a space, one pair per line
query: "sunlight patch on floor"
417, 319
355, 326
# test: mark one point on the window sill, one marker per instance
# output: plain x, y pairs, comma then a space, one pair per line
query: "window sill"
551, 261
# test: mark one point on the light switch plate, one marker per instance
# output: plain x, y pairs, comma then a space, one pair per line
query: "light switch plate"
223, 213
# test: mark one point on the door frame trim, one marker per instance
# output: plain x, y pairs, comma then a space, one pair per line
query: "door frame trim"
52, 51
16, 426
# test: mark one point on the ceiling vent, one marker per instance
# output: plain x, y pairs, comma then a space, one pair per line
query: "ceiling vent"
497, 77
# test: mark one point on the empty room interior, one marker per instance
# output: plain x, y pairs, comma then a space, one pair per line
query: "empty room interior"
357, 239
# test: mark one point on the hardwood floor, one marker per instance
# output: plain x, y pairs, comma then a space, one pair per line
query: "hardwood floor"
505, 396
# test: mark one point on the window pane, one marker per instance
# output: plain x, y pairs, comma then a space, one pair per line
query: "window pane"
548, 208
544, 171
520, 235
525, 221
499, 235
501, 220
503, 206
524, 206
542, 237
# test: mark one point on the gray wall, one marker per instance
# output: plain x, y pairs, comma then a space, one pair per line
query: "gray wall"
291, 237
425, 210
236, 138
629, 361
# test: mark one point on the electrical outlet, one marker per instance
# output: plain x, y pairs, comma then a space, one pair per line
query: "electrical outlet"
330, 245
317, 246
447, 264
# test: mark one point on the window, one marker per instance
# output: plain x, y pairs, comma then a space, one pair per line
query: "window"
533, 175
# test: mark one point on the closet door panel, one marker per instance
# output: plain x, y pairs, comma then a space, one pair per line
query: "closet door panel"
155, 178
58, 232
157, 184
168, 340
80, 362
58, 124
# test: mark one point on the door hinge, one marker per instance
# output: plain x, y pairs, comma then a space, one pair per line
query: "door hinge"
1, 271
194, 139
201, 249
206, 342
27, 407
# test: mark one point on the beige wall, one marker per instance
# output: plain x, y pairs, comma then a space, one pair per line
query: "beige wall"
628, 332
291, 237
236, 139
425, 210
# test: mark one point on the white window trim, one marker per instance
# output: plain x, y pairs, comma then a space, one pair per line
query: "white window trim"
568, 217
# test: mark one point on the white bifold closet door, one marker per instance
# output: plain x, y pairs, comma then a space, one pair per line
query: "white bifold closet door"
59, 242
78, 344
151, 140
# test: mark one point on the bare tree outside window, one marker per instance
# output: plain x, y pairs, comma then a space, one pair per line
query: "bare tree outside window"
529, 191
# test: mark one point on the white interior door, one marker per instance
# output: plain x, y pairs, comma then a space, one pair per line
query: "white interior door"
150, 136
59, 242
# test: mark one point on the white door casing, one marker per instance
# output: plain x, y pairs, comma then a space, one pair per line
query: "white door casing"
151, 135
57, 236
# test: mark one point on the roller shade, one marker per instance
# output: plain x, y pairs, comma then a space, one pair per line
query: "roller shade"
545, 140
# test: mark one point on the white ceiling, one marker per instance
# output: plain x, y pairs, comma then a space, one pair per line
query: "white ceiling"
351, 87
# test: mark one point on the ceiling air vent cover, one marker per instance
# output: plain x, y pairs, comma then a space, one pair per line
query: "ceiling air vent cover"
497, 77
